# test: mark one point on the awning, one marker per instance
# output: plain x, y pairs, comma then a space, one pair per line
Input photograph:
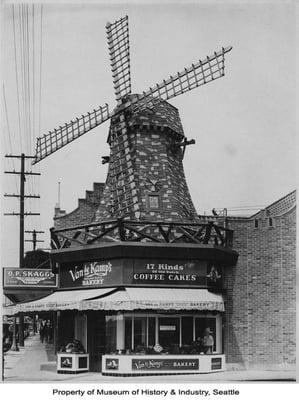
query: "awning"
124, 299
59, 300
157, 299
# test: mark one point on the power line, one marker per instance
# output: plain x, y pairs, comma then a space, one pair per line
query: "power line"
40, 66
8, 130
33, 74
16, 70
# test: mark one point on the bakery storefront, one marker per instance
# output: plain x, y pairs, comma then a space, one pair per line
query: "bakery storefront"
148, 309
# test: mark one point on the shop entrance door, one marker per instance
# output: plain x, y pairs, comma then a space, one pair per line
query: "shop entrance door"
169, 332
81, 329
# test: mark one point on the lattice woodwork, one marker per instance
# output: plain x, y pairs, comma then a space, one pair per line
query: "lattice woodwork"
204, 71
119, 51
144, 231
200, 73
58, 138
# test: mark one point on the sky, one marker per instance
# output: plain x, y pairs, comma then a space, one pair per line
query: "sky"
243, 124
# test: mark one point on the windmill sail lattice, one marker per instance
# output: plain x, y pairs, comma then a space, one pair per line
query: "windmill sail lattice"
119, 51
58, 138
198, 74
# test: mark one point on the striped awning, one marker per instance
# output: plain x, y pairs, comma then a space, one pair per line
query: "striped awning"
157, 299
131, 298
59, 300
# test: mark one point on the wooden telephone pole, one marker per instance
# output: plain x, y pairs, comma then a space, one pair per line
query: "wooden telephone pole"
34, 237
22, 215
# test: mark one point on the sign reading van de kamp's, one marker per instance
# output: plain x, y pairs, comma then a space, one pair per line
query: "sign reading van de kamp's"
25, 277
171, 272
90, 274
157, 364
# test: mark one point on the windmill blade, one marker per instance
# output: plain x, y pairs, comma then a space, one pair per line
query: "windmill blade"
204, 71
58, 138
119, 51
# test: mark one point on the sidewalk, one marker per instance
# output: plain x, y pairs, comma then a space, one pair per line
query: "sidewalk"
36, 363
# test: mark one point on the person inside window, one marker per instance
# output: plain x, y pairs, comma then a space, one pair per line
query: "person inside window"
208, 341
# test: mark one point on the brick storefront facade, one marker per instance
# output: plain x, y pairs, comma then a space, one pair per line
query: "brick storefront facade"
260, 317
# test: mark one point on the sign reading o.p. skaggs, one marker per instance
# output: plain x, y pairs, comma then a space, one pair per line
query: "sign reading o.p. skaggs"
29, 277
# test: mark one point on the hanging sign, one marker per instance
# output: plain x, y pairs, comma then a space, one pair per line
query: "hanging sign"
29, 277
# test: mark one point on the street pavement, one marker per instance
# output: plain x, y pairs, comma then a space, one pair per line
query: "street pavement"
36, 363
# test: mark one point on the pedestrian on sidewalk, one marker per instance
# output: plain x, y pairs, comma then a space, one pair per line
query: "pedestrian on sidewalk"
48, 331
42, 330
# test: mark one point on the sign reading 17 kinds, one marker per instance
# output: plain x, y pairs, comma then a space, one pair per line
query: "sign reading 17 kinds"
180, 272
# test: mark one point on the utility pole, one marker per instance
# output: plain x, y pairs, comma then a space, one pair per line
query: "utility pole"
22, 215
34, 239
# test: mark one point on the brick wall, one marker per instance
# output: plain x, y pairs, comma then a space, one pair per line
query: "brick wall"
146, 178
260, 294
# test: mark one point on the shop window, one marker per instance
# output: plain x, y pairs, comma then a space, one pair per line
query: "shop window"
187, 331
110, 333
169, 333
128, 333
175, 334
151, 331
201, 325
140, 332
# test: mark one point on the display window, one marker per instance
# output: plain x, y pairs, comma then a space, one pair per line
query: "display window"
129, 333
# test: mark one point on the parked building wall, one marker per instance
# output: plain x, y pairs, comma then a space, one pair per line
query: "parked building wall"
260, 315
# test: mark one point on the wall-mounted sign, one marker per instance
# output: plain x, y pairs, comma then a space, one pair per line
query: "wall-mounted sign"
165, 364
180, 272
214, 276
216, 363
167, 327
66, 362
112, 363
138, 272
90, 274
29, 277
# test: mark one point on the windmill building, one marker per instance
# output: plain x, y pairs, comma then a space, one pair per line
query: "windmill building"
147, 285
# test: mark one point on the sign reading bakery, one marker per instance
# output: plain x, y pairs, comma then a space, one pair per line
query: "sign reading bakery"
90, 274
179, 272
29, 277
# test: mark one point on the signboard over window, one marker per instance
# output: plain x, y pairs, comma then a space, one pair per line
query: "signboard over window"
29, 277
90, 274
175, 272
136, 272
